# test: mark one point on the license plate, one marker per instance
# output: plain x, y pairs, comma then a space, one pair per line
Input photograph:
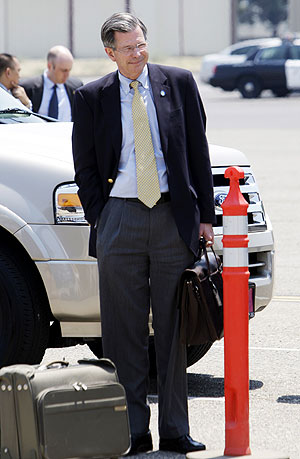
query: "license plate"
251, 299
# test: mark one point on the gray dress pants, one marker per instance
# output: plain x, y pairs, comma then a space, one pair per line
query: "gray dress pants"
141, 257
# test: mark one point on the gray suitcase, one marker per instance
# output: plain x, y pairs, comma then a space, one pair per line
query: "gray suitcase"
63, 411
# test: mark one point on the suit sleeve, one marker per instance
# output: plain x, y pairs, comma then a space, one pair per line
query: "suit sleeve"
198, 152
85, 161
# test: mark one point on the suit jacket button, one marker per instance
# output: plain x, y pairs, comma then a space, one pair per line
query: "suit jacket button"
110, 180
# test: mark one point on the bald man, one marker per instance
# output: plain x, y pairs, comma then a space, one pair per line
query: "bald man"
52, 93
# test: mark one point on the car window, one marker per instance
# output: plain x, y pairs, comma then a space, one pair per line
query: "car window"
19, 118
244, 50
13, 111
278, 52
295, 52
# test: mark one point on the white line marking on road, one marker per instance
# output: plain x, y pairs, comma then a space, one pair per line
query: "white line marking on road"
154, 398
254, 348
293, 299
285, 349
210, 399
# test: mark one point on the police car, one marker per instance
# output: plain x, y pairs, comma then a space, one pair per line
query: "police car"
276, 68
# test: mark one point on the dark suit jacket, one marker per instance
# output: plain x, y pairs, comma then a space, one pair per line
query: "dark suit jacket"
34, 89
97, 139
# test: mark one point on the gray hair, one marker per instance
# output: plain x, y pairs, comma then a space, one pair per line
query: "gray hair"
120, 22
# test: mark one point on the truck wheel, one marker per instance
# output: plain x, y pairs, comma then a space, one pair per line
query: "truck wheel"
95, 346
249, 87
24, 320
194, 353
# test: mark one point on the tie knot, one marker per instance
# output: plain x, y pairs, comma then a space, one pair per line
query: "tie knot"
54, 86
134, 84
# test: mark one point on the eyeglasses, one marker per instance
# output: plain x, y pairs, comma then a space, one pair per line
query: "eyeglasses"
127, 50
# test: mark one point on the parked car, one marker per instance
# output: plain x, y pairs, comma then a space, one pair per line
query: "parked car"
48, 283
233, 54
263, 69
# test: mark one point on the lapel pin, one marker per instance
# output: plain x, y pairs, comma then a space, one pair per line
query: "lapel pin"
162, 93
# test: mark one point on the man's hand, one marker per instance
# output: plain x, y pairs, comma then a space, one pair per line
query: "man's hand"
19, 93
206, 230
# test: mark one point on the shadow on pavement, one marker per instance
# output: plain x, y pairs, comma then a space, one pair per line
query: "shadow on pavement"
292, 399
159, 455
202, 385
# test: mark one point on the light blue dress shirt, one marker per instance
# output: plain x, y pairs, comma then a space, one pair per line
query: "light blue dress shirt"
5, 88
64, 106
125, 185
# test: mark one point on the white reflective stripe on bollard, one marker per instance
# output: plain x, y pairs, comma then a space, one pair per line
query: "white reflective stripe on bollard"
235, 257
237, 224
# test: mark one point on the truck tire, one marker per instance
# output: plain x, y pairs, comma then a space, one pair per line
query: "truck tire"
249, 87
95, 346
194, 353
24, 320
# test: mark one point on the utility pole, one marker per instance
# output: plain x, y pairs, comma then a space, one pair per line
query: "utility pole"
181, 27
234, 8
71, 32
5, 26
127, 6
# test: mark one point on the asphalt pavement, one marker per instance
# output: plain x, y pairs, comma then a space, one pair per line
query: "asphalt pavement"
267, 131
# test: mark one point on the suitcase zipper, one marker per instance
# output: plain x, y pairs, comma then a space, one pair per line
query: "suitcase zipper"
79, 386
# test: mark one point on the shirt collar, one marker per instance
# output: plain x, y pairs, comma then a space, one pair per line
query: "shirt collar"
49, 83
4, 87
143, 78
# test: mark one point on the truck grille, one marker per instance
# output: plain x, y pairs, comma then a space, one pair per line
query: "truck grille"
249, 189
258, 264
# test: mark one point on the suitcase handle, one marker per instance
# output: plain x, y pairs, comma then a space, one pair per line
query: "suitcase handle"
63, 363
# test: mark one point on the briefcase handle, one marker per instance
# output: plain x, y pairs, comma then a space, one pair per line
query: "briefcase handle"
62, 363
203, 249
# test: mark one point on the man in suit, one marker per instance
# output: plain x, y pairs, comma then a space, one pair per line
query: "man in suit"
52, 93
9, 78
148, 201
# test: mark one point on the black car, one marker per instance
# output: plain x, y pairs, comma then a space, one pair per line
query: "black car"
263, 69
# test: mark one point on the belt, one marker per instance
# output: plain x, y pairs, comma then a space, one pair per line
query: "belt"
164, 197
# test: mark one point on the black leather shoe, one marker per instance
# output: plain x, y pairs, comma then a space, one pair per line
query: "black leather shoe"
183, 445
140, 444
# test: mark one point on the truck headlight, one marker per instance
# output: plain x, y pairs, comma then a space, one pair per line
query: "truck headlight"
67, 205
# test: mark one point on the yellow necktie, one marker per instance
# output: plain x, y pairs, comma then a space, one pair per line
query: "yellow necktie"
146, 171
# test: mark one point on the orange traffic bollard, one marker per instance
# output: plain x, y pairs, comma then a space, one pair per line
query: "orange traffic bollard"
236, 334
236, 331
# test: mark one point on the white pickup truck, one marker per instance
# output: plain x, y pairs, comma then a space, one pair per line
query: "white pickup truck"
48, 283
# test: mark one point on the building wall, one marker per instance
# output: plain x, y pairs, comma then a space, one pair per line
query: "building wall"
28, 28
31, 27
294, 16
88, 17
190, 27
207, 29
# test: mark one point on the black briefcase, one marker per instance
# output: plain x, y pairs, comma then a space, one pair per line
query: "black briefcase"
61, 411
201, 299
